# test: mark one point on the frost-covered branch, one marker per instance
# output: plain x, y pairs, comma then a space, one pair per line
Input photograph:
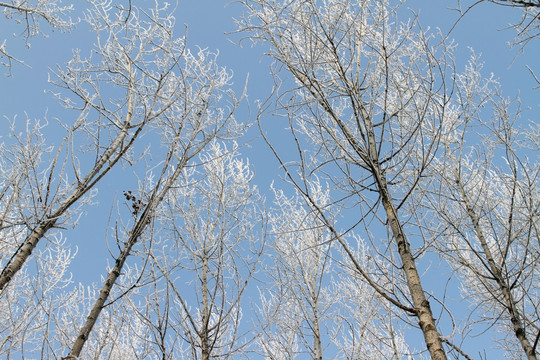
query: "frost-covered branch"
31, 15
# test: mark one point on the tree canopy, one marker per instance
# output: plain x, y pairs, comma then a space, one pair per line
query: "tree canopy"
368, 191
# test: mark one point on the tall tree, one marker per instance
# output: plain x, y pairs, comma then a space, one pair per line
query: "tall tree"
202, 112
139, 81
487, 203
297, 301
201, 254
125, 85
315, 303
366, 105
212, 235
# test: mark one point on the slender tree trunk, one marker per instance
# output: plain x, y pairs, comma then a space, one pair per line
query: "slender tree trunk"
24, 252
203, 334
317, 346
509, 302
140, 225
314, 293
421, 304
100, 302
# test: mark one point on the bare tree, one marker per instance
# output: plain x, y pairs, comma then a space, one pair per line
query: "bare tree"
117, 335
37, 293
202, 112
139, 81
212, 237
207, 232
296, 303
487, 202
366, 105
315, 302
113, 96
394, 166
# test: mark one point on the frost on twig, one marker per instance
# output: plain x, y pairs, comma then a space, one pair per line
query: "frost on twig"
29, 19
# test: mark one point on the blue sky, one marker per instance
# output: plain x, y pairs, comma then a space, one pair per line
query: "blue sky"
208, 23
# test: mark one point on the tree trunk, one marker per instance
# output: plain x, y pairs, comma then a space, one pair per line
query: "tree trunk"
203, 334
317, 345
100, 302
421, 304
24, 252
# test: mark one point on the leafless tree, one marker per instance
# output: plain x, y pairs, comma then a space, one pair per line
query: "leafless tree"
139, 81
202, 112
117, 335
297, 300
113, 96
487, 203
366, 97
213, 225
314, 302
396, 163
207, 232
